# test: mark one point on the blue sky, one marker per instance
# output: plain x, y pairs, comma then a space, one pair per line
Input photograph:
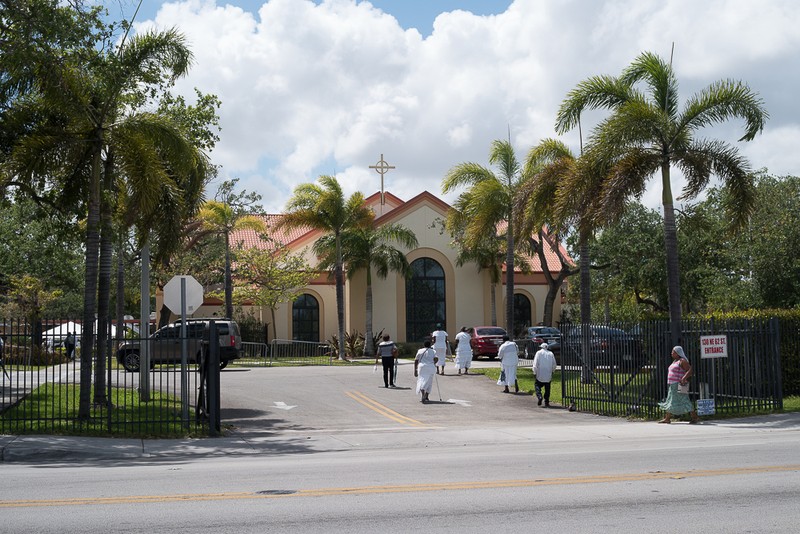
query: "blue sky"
326, 87
418, 14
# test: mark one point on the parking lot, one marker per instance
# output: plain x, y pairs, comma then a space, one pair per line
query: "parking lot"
303, 399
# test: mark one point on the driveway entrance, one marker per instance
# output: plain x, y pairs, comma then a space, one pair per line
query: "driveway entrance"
307, 399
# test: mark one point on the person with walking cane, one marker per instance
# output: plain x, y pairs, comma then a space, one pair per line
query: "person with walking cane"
424, 369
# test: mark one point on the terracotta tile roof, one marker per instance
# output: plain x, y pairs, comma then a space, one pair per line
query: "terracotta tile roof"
252, 239
394, 209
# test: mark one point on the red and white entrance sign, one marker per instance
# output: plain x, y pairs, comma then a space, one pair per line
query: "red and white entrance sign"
713, 347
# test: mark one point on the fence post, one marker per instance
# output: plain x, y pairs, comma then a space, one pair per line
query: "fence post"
213, 380
775, 354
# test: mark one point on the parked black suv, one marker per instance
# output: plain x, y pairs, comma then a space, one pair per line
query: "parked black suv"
608, 347
534, 336
166, 343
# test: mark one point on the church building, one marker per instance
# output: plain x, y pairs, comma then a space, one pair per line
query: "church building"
408, 309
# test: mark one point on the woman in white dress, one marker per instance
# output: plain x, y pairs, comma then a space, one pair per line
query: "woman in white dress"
509, 359
441, 346
463, 350
424, 369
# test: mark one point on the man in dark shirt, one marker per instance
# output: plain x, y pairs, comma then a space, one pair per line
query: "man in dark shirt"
387, 350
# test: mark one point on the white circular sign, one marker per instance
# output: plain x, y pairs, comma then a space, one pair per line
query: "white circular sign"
172, 294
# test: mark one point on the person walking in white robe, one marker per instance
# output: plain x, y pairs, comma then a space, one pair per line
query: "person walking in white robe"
463, 351
424, 369
508, 353
441, 347
544, 364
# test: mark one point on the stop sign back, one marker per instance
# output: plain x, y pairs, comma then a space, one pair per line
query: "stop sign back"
194, 294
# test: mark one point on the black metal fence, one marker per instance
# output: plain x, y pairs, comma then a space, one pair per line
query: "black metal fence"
285, 352
622, 369
41, 388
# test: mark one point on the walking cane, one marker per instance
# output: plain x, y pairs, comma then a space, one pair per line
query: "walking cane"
437, 387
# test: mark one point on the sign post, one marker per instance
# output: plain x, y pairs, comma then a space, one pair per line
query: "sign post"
184, 293
711, 348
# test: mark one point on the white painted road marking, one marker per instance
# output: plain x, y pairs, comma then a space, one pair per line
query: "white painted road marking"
461, 402
283, 406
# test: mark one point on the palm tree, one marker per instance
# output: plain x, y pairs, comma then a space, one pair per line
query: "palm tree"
365, 248
487, 202
322, 206
560, 194
221, 219
646, 133
82, 96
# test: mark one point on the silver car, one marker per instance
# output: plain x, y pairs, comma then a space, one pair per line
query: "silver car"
166, 344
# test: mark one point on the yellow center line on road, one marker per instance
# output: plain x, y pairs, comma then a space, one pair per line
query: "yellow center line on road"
400, 488
383, 410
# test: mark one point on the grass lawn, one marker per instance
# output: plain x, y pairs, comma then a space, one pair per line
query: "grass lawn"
526, 381
53, 409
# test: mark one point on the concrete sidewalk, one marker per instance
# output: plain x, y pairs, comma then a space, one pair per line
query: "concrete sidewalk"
38, 449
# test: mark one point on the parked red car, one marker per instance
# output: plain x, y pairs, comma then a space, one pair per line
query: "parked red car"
486, 340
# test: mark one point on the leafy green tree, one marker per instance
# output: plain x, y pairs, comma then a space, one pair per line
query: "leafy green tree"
37, 241
271, 277
322, 206
29, 295
486, 203
365, 248
774, 241
631, 254
646, 133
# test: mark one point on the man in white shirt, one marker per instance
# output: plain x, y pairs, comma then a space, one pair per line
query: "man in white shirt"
508, 353
544, 364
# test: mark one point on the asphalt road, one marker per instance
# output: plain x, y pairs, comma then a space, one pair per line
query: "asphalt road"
330, 450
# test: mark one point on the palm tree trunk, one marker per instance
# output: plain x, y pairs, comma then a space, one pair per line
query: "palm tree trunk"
90, 285
510, 279
493, 296
104, 285
586, 308
103, 312
120, 312
339, 280
228, 279
369, 347
586, 279
671, 249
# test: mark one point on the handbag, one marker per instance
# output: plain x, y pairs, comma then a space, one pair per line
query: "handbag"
683, 388
502, 380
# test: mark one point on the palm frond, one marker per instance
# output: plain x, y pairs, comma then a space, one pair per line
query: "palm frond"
659, 77
597, 92
466, 174
627, 179
724, 100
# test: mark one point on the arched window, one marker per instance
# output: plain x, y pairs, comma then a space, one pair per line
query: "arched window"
425, 299
522, 313
305, 318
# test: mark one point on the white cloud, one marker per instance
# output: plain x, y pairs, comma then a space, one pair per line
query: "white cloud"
313, 88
